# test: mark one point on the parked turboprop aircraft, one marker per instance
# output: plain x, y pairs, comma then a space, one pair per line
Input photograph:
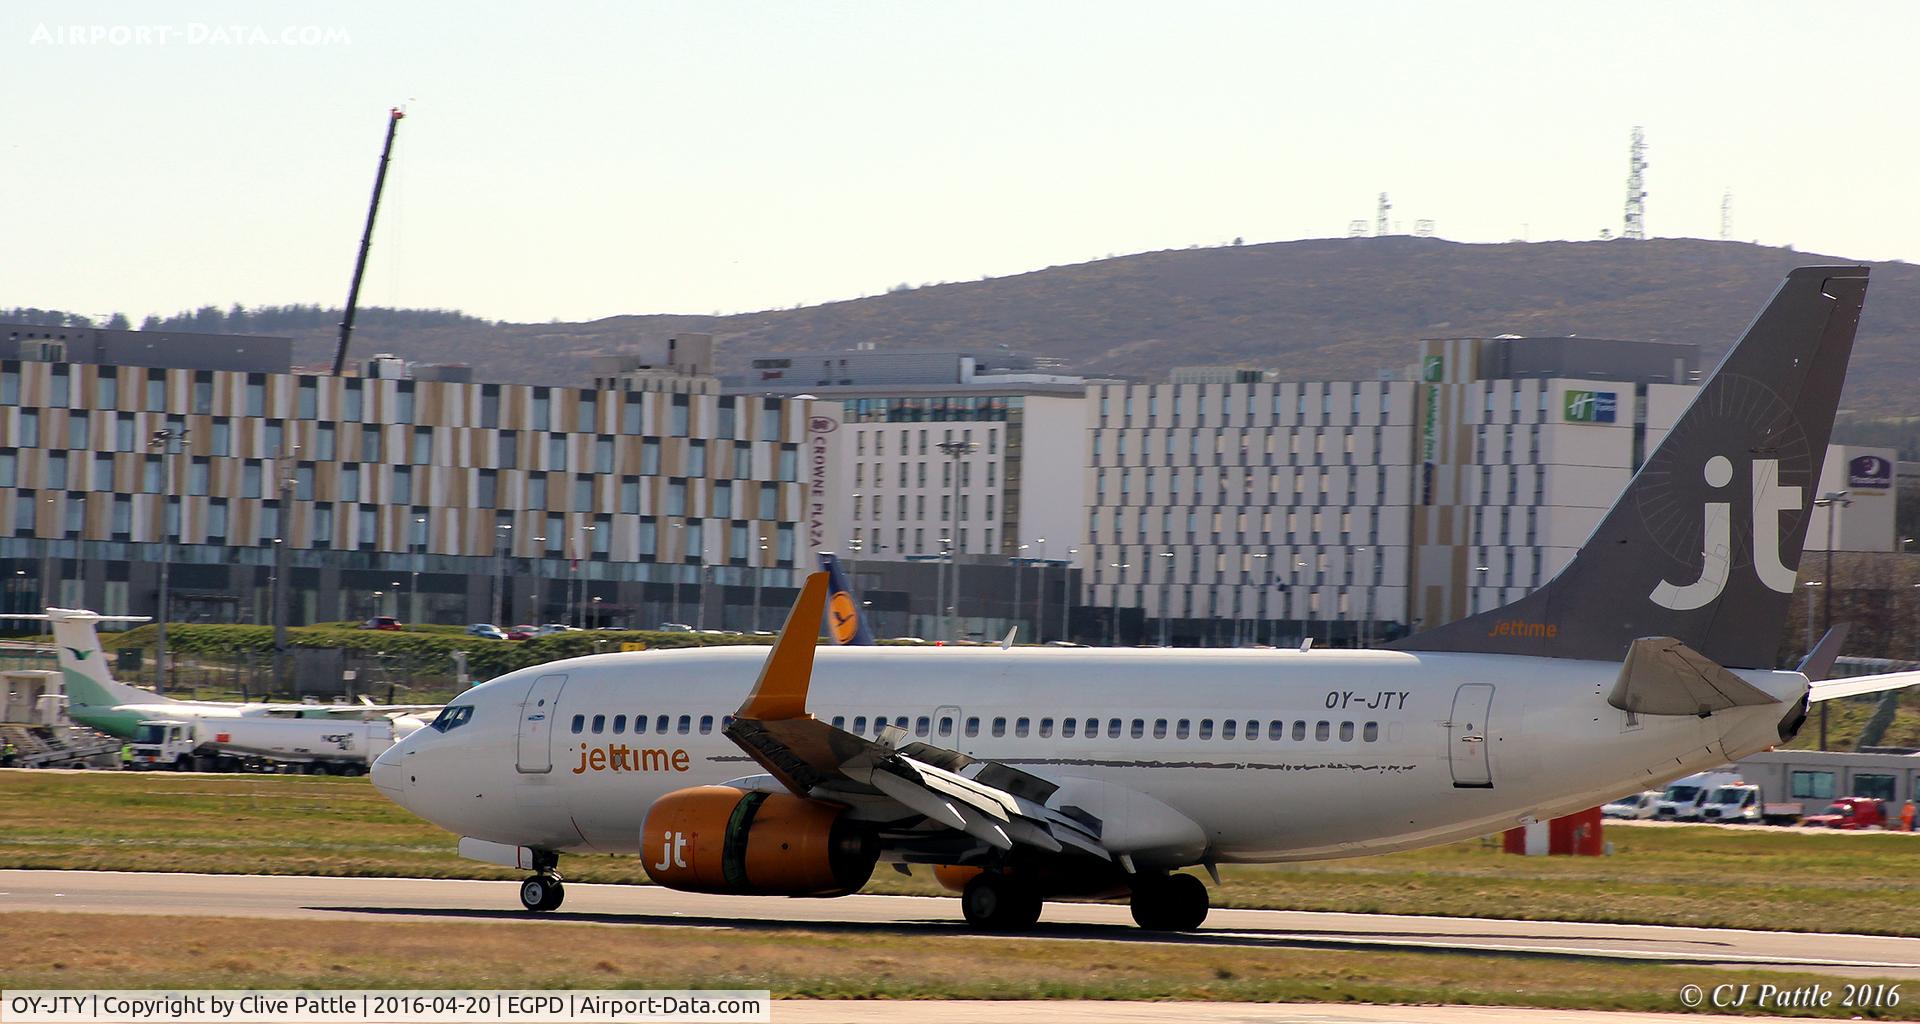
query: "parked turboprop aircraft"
1024, 773
297, 732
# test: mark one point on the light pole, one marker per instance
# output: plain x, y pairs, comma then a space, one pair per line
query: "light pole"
955, 450
1113, 609
503, 536
535, 592
168, 442
759, 571
1260, 624
374, 611
1166, 609
1827, 501
395, 591
419, 541
596, 608
1810, 585
940, 585
580, 576
1019, 569
1306, 619
1040, 594
1066, 603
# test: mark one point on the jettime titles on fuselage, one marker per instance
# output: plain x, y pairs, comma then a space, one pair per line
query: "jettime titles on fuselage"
618, 757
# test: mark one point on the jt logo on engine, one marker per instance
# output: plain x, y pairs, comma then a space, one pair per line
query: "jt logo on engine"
1768, 500
673, 851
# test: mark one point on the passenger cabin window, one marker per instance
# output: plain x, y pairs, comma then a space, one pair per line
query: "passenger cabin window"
639, 724
599, 724
840, 722
579, 723
859, 724
922, 725
1159, 728
1322, 731
686, 724
1067, 727
1113, 728
1371, 732
1276, 730
1020, 727
1253, 729
973, 726
1227, 729
453, 717
999, 727
1299, 731
1093, 728
946, 725
1046, 727
1206, 728
619, 724
1139, 728
660, 725
706, 724
1346, 732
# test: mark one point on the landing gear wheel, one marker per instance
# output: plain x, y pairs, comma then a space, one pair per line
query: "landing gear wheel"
541, 893
994, 902
1175, 903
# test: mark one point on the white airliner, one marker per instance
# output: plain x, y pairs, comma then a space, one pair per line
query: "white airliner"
1028, 773
318, 733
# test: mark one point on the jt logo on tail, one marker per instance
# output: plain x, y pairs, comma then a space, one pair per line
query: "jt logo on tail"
1769, 499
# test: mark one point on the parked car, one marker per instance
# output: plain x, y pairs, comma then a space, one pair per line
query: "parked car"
523, 632
1850, 812
383, 622
1634, 806
486, 631
553, 627
673, 627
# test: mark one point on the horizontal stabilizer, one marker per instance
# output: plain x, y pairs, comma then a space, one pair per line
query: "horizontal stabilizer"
1860, 686
1663, 676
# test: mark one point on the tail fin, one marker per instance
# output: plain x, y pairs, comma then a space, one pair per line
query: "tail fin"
844, 622
83, 665
1704, 544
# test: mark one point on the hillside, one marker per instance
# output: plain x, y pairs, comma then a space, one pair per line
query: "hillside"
1317, 308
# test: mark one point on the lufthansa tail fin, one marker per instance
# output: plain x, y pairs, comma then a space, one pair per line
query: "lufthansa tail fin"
83, 664
845, 624
1704, 544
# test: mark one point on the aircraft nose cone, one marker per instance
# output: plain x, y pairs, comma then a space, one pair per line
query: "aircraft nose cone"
389, 774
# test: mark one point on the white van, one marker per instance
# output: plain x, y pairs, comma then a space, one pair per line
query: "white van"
1632, 806
1684, 798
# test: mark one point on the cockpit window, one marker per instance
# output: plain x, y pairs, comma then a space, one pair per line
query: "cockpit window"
452, 717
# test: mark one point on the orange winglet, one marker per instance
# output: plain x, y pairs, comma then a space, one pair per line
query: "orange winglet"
782, 690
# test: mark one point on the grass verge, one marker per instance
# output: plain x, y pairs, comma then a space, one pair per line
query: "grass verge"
1784, 880
49, 950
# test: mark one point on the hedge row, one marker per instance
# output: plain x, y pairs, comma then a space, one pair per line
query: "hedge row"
422, 651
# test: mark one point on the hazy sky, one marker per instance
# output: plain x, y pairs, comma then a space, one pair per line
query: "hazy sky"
583, 160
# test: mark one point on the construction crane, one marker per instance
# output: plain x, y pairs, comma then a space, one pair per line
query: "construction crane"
366, 242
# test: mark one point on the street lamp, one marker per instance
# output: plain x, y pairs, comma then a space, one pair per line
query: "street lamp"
167, 442
955, 450
1166, 610
1827, 501
1066, 573
417, 541
535, 592
503, 537
1113, 610
940, 585
759, 570
1019, 569
396, 597
374, 612
1260, 623
596, 608
1040, 594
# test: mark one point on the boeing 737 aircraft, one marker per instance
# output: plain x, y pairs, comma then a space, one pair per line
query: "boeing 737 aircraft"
1027, 773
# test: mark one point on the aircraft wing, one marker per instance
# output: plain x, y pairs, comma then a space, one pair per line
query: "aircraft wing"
886, 778
1857, 686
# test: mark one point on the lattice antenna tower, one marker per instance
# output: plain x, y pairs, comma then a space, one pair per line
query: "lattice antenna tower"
1726, 216
1380, 229
1636, 221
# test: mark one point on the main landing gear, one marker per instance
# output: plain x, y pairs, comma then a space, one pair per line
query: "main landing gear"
1169, 903
998, 903
544, 890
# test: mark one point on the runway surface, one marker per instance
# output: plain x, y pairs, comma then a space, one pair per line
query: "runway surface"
417, 899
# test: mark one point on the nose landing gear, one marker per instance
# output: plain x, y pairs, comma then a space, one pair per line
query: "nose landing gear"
542, 892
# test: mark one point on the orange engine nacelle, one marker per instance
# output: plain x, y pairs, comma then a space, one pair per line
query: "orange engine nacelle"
722, 840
